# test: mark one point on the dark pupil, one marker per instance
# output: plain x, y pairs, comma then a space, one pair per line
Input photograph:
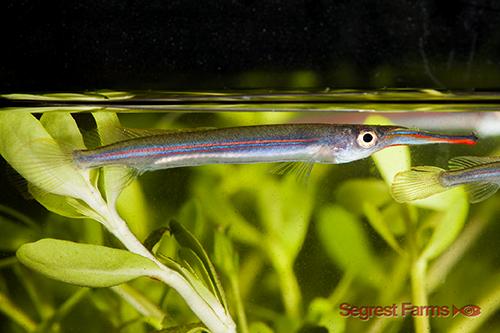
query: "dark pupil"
367, 137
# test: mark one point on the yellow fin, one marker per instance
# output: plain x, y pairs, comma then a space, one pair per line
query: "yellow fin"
417, 183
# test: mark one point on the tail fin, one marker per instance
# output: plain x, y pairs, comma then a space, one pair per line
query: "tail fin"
417, 183
46, 165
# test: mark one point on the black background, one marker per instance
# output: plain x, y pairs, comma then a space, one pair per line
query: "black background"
80, 45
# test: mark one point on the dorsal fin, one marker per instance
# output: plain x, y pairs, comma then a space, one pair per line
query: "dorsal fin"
480, 191
132, 133
463, 162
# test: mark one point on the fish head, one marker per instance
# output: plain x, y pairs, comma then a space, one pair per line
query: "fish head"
361, 141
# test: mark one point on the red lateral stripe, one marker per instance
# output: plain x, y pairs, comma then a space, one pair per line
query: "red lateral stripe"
205, 145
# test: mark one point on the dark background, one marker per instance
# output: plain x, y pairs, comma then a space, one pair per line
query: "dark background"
86, 45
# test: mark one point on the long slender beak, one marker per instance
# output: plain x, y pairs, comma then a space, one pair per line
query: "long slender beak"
406, 136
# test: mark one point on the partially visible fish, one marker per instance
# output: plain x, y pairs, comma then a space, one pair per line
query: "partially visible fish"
480, 175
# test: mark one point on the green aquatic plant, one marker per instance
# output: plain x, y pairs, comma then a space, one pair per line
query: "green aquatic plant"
279, 255
76, 193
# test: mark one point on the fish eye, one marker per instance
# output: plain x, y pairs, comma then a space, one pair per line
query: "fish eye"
367, 139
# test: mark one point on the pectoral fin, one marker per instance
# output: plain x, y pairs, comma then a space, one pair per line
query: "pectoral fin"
480, 191
301, 170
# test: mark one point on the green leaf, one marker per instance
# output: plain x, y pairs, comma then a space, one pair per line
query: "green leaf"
353, 193
393, 213
193, 280
36, 156
187, 240
347, 244
449, 226
260, 327
224, 255
325, 314
392, 160
217, 206
153, 315
64, 205
133, 206
115, 178
377, 221
285, 209
63, 128
14, 234
189, 328
84, 264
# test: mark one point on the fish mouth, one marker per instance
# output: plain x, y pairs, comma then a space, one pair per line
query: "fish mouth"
406, 136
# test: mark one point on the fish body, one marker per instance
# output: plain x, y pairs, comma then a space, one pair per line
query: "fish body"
313, 143
480, 175
487, 172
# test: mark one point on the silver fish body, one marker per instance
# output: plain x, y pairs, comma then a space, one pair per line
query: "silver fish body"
313, 143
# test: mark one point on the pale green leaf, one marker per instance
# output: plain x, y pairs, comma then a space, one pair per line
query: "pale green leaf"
346, 243
187, 240
449, 226
56, 203
285, 209
36, 156
353, 193
151, 312
225, 256
115, 179
380, 225
325, 314
194, 281
188, 328
84, 264
133, 207
441, 201
63, 128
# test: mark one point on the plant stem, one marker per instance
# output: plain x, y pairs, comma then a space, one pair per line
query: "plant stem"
63, 310
240, 310
418, 272
212, 315
141, 304
16, 314
290, 291
419, 294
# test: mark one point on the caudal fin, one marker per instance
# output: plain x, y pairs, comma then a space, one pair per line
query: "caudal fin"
417, 183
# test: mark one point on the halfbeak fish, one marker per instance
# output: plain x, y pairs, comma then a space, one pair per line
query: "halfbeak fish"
310, 143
